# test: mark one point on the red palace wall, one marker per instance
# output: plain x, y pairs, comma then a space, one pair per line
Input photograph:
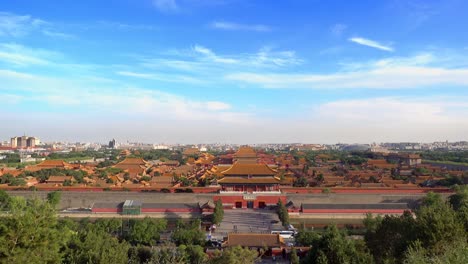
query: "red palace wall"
229, 201
366, 190
146, 210
352, 211
106, 210
168, 210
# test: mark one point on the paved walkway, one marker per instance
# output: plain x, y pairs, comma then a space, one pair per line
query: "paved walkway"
248, 221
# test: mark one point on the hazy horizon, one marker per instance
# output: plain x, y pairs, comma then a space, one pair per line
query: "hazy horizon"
234, 71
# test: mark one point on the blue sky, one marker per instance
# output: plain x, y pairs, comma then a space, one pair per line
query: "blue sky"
234, 71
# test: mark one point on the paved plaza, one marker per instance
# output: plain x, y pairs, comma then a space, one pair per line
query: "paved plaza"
248, 221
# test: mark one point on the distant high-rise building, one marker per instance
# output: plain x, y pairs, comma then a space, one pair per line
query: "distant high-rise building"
24, 141
14, 142
112, 143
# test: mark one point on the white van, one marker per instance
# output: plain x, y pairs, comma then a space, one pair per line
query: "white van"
283, 233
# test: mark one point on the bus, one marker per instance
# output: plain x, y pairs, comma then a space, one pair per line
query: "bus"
284, 233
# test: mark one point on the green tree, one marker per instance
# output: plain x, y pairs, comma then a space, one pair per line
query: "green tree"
167, 255
438, 224
218, 212
388, 238
194, 254
460, 198
294, 257
235, 255
453, 253
282, 212
300, 182
145, 231
188, 234
92, 245
432, 199
54, 198
306, 238
111, 226
5, 200
30, 233
459, 202
335, 248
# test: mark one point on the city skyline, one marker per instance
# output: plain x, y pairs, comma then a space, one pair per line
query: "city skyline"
234, 71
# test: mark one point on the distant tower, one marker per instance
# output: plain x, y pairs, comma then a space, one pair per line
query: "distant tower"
112, 144
31, 142
24, 142
14, 142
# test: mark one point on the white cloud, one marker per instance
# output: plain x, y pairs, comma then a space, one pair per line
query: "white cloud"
236, 26
370, 43
166, 5
136, 74
338, 29
202, 60
13, 25
161, 77
16, 25
116, 100
113, 25
212, 56
212, 105
18, 55
391, 73
384, 119
55, 34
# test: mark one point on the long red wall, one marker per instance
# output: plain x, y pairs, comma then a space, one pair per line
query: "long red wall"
353, 211
368, 190
146, 210
230, 200
285, 190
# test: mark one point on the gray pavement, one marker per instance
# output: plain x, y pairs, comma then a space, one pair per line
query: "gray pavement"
247, 221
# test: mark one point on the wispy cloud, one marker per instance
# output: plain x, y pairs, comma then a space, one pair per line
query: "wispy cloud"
236, 26
338, 29
207, 53
14, 25
57, 34
404, 118
17, 55
201, 60
18, 25
166, 5
370, 43
113, 25
390, 73
85, 96
176, 78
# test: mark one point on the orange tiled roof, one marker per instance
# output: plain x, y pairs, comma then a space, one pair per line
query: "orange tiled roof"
191, 151
254, 240
53, 179
53, 164
249, 169
376, 161
245, 152
132, 169
256, 180
133, 161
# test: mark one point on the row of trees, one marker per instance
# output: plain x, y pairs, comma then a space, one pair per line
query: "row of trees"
438, 233
30, 232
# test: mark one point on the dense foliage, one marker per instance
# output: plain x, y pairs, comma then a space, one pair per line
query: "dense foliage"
453, 156
282, 212
31, 233
437, 227
218, 213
